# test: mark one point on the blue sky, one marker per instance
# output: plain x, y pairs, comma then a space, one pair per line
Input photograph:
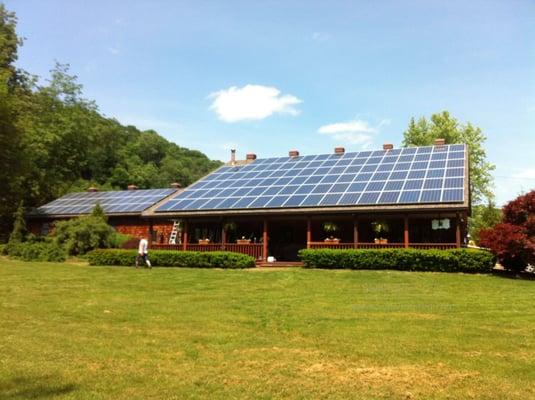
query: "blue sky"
267, 77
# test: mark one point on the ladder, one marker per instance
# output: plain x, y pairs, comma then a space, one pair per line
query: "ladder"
174, 232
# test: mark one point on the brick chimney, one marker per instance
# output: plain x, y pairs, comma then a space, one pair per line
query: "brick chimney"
250, 157
92, 189
132, 187
339, 150
440, 142
233, 157
175, 185
388, 146
293, 153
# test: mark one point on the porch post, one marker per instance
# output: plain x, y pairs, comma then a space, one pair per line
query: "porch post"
355, 232
265, 241
185, 239
223, 236
458, 231
406, 231
309, 232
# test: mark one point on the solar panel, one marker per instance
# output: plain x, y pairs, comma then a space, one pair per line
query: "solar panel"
124, 201
431, 174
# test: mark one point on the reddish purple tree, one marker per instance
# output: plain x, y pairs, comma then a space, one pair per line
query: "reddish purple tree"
513, 241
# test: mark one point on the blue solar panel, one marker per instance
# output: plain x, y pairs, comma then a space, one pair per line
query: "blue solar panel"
125, 201
431, 174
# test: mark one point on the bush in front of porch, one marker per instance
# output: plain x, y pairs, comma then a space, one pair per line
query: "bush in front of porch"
170, 258
455, 260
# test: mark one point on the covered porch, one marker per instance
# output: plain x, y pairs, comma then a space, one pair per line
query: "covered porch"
283, 236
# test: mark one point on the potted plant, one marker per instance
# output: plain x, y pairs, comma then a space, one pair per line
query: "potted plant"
330, 228
380, 228
243, 240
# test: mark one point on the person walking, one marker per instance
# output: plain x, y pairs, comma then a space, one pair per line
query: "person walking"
143, 253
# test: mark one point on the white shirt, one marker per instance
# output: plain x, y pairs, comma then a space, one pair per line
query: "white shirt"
143, 246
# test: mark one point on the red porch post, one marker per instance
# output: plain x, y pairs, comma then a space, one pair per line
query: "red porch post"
265, 241
355, 232
458, 231
223, 236
406, 231
185, 239
309, 232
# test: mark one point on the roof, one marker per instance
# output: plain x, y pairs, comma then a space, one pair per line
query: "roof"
415, 177
121, 202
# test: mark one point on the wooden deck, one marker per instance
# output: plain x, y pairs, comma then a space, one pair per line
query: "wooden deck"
279, 264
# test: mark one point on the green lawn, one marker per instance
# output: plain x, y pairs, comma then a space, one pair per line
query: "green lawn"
70, 331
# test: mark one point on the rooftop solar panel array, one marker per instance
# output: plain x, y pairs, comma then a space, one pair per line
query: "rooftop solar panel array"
124, 201
433, 174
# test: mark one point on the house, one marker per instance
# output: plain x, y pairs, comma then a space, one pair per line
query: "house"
390, 198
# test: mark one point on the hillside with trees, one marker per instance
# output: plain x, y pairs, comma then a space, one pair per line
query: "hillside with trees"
55, 141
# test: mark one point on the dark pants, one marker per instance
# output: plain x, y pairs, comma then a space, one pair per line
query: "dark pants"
144, 258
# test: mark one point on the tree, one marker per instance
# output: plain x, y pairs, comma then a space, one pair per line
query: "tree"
19, 226
98, 212
442, 125
10, 136
484, 216
513, 240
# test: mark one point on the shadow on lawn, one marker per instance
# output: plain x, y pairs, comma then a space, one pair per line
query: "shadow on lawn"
22, 387
514, 275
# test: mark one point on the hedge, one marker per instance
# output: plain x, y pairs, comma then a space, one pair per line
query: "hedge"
36, 251
455, 260
168, 258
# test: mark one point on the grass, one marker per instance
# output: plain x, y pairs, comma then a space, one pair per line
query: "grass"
69, 331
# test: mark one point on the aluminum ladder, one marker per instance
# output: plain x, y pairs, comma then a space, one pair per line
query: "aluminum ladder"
174, 232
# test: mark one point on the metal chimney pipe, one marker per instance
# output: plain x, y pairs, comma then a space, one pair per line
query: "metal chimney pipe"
233, 156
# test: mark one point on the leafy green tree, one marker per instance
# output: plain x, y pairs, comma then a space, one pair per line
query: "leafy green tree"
484, 216
10, 135
19, 226
423, 132
98, 212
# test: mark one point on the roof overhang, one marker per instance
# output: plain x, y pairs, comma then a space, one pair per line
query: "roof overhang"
442, 207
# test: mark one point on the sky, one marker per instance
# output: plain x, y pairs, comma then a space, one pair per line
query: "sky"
272, 76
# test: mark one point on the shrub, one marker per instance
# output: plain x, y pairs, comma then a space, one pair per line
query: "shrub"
38, 251
3, 249
118, 240
168, 258
510, 244
79, 235
513, 241
456, 260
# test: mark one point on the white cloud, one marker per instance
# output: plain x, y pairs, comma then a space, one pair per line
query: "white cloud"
347, 127
355, 132
252, 102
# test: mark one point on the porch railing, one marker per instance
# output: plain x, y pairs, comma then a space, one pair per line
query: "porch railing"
250, 249
362, 245
255, 249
